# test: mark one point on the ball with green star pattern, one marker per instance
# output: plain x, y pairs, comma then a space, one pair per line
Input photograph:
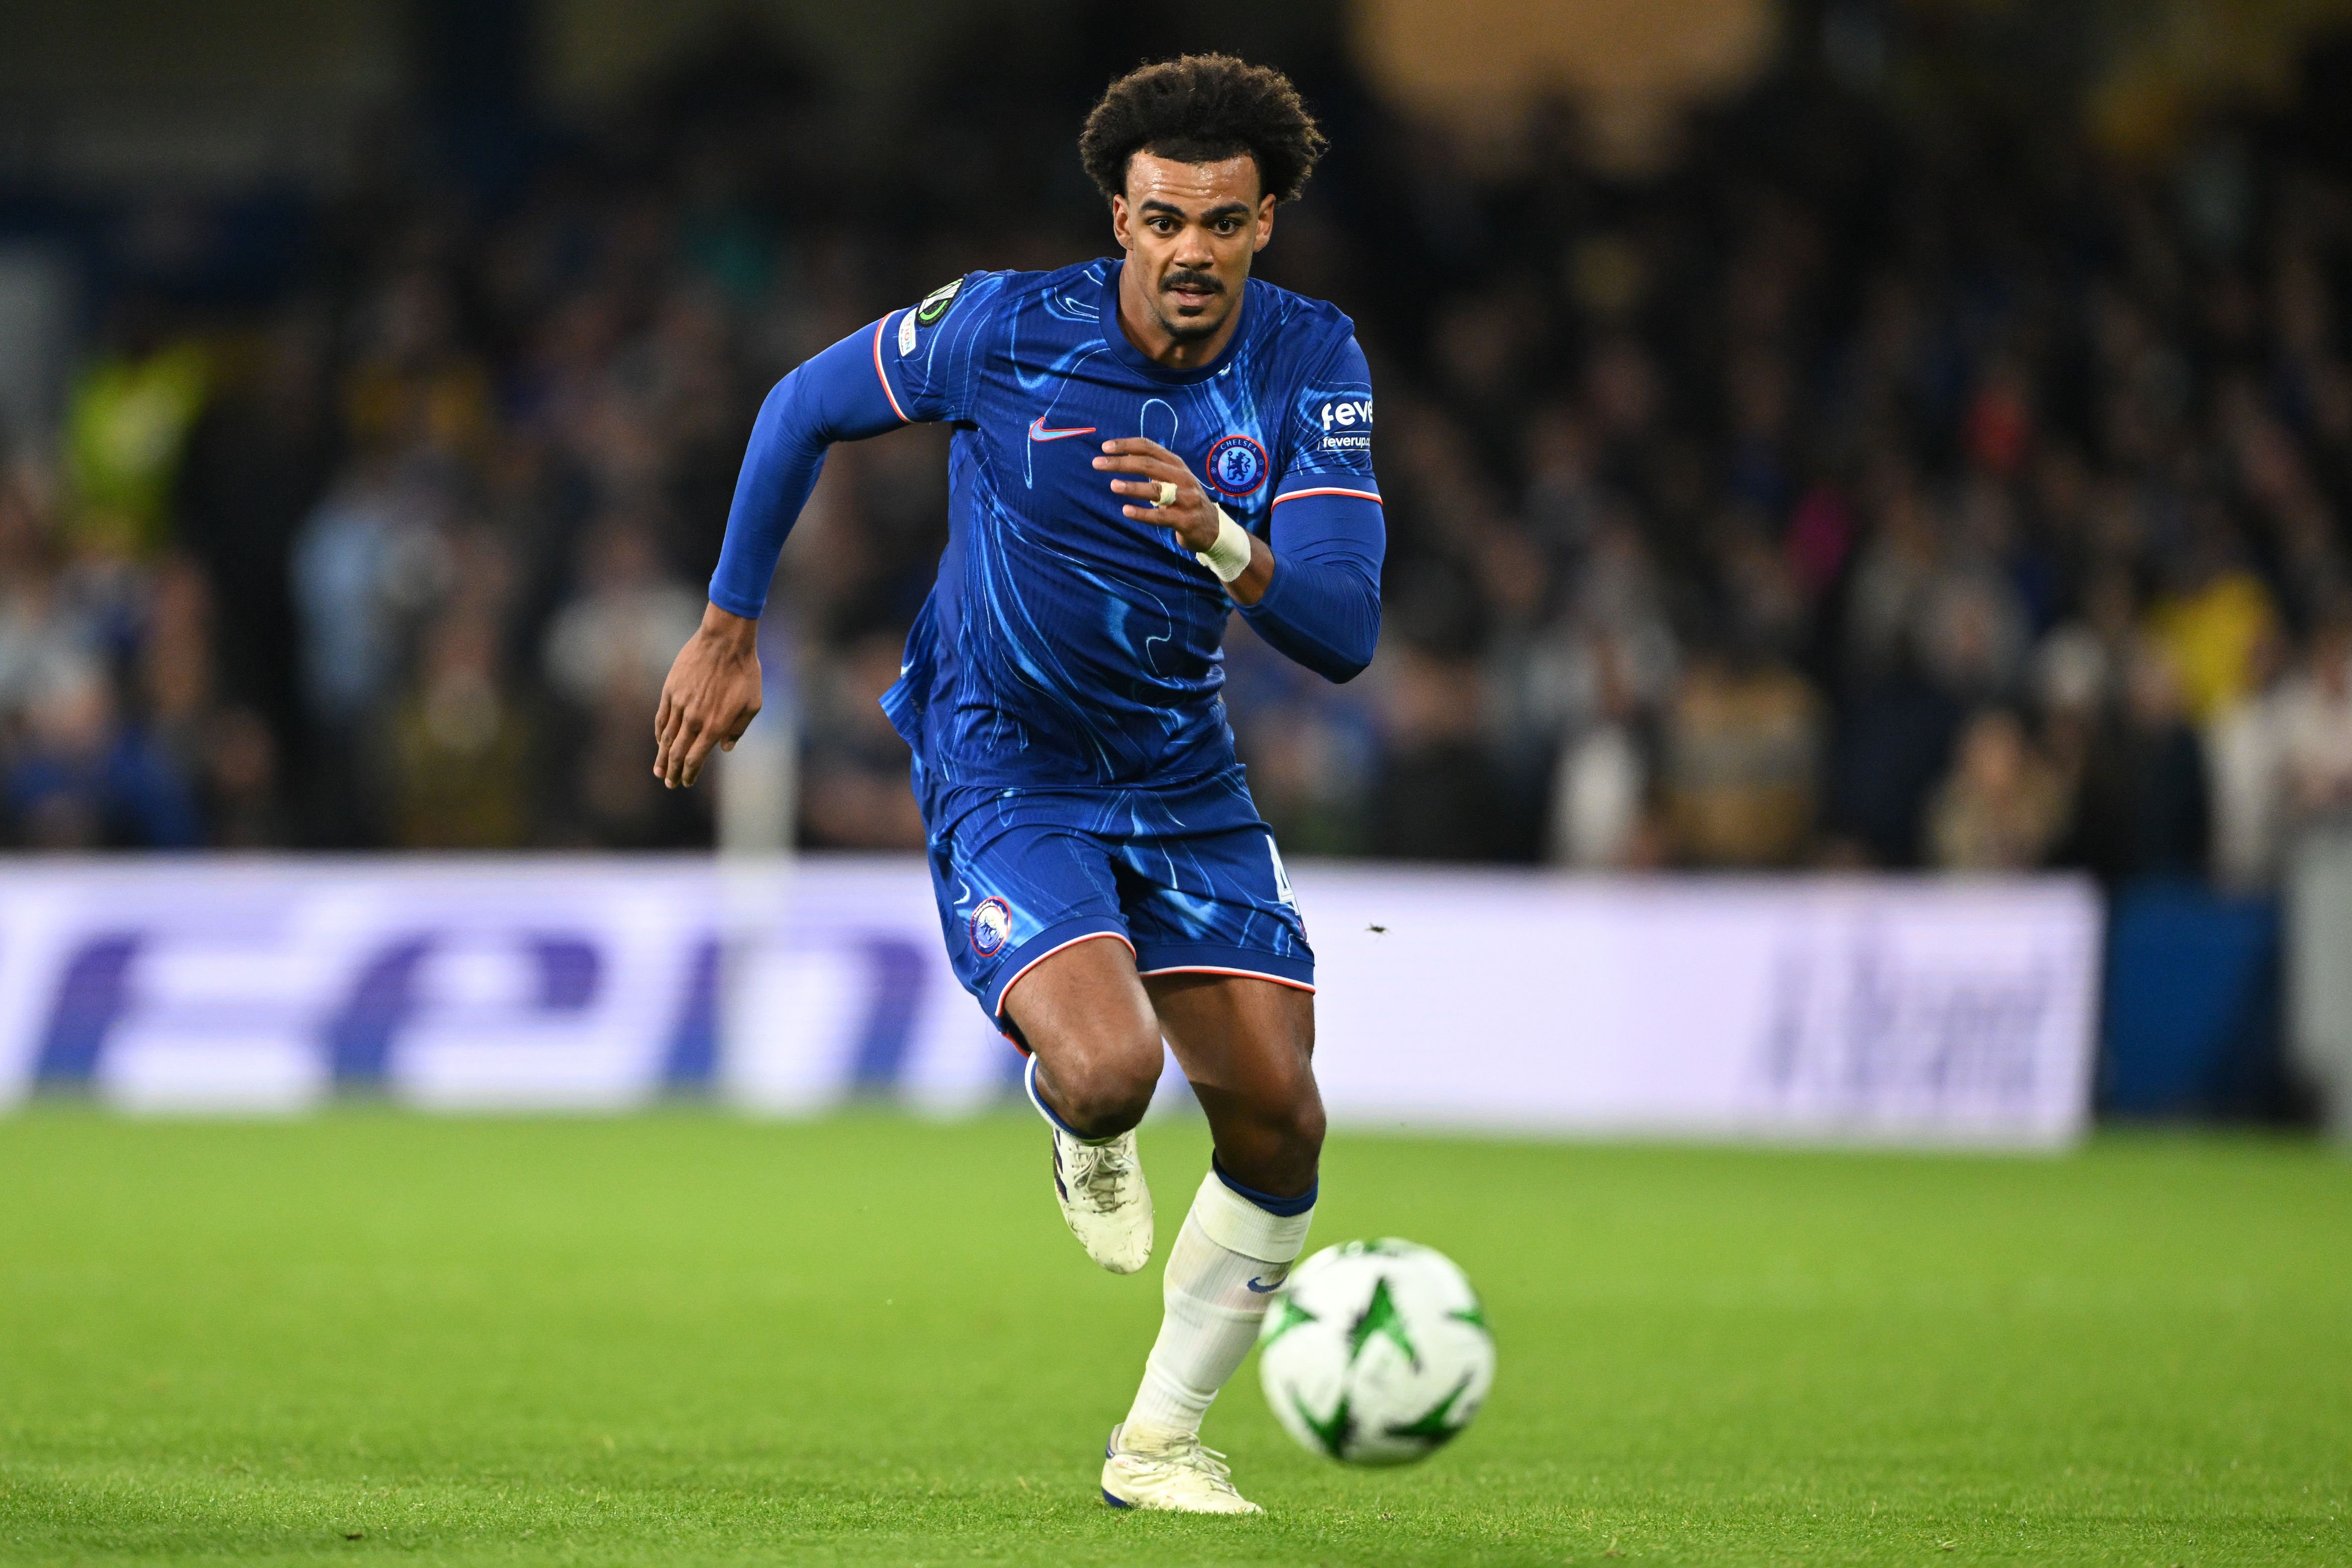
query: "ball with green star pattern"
1376, 1353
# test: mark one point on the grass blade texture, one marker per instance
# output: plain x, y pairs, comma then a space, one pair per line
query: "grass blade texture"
686, 1337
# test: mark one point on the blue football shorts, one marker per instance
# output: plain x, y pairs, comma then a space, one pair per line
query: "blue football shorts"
1188, 878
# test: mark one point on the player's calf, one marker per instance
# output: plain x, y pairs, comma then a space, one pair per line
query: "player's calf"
1248, 1050
1272, 1142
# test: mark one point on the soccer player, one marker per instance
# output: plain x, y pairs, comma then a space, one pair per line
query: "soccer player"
1142, 444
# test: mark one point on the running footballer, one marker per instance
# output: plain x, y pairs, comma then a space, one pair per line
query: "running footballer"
1141, 444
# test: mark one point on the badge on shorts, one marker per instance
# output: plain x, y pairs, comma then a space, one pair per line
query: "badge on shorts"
1236, 465
991, 926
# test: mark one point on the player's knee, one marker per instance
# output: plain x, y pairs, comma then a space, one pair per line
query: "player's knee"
1289, 1125
1299, 1127
1106, 1086
1103, 1107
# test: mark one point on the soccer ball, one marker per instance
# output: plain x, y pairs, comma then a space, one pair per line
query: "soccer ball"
1376, 1353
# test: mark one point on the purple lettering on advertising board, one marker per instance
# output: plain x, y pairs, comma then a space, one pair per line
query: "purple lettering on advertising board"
93, 993
897, 971
387, 997
692, 1062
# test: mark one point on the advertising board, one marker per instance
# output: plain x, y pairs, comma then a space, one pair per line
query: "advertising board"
1841, 1008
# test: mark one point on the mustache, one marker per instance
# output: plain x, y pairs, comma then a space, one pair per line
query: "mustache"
1207, 283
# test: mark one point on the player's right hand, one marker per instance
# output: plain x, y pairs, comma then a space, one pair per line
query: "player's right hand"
710, 697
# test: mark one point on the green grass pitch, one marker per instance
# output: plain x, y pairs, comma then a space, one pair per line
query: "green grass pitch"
685, 1337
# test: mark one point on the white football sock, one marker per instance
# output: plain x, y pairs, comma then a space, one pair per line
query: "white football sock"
1227, 1244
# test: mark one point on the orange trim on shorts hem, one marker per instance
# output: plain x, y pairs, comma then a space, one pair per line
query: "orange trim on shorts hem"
1245, 974
1007, 989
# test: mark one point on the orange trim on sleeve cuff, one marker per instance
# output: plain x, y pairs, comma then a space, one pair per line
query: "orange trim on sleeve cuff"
1328, 490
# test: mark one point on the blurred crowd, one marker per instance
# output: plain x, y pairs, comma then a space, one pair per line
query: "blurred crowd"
1846, 496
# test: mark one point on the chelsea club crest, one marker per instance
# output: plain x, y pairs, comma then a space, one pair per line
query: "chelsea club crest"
1236, 466
992, 923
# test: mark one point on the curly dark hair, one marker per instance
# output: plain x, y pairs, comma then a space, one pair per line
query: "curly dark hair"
1204, 109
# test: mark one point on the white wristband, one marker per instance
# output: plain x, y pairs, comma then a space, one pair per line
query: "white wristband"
1230, 555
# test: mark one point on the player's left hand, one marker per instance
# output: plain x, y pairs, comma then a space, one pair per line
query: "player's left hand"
1189, 512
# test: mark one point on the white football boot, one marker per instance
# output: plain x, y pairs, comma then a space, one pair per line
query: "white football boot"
1104, 1198
1103, 1193
1177, 1474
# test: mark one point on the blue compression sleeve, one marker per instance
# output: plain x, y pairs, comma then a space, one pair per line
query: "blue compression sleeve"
1323, 607
838, 395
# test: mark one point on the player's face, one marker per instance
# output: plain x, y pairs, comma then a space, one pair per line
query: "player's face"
1191, 229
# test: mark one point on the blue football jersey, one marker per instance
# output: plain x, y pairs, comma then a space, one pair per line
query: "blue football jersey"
1066, 644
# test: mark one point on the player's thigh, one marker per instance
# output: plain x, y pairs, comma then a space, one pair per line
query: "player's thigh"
1246, 1045
1084, 1013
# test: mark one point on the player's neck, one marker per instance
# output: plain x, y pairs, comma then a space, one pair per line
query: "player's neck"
1143, 329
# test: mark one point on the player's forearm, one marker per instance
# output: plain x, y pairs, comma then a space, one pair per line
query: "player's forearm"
1324, 614
1321, 604
834, 396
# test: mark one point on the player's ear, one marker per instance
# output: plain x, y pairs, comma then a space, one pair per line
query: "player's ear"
1119, 220
1264, 223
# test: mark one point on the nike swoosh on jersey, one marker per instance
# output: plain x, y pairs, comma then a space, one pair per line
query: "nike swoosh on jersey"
1037, 431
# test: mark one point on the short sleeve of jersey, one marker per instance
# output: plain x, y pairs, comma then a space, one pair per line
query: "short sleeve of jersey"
1331, 425
931, 354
